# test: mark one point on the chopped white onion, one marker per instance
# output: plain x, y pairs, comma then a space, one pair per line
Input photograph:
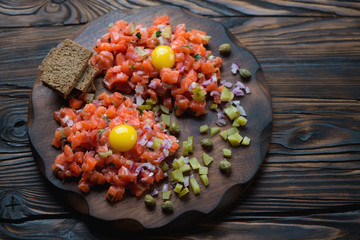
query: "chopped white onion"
235, 68
147, 127
186, 181
165, 187
150, 143
166, 143
247, 89
192, 86
215, 92
240, 85
142, 141
132, 166
70, 123
166, 152
152, 84
163, 41
60, 166
242, 111
210, 80
238, 92
154, 193
139, 100
221, 122
226, 83
65, 119
139, 89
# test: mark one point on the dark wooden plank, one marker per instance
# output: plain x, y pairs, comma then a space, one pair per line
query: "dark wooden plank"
329, 112
41, 13
273, 203
344, 225
307, 57
286, 48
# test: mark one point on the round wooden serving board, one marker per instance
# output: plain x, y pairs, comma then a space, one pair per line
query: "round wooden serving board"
131, 213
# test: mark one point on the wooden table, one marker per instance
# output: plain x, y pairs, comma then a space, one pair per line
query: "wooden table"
309, 184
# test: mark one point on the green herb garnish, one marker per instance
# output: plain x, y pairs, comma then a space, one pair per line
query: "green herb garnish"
197, 57
158, 33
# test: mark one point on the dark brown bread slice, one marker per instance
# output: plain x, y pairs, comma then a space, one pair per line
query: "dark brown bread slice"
91, 88
86, 78
47, 59
66, 67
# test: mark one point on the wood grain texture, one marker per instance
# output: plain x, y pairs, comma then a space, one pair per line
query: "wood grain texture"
301, 192
319, 55
61, 12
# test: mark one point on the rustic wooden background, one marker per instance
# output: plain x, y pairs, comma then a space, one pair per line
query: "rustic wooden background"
309, 184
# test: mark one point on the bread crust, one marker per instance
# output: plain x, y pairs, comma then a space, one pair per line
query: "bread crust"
62, 68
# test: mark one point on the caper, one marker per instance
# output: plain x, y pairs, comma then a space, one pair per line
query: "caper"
167, 207
174, 128
244, 73
206, 143
225, 166
149, 201
225, 48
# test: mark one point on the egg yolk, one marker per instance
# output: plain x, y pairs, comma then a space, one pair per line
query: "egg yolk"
163, 57
122, 138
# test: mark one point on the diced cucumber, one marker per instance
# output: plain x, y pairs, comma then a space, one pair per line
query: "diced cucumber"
150, 101
194, 163
166, 119
163, 165
206, 159
214, 130
145, 107
177, 175
213, 106
224, 134
232, 131
232, 112
235, 139
203, 170
246, 141
164, 109
183, 192
166, 195
178, 188
157, 143
226, 95
199, 94
194, 185
155, 108
241, 120
204, 128
179, 163
205, 180
190, 144
226, 152
185, 168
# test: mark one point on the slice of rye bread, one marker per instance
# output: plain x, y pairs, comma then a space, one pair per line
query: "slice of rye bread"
47, 59
91, 88
66, 67
86, 78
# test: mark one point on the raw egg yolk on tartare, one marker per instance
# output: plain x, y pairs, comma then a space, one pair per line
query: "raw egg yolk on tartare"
163, 57
122, 138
